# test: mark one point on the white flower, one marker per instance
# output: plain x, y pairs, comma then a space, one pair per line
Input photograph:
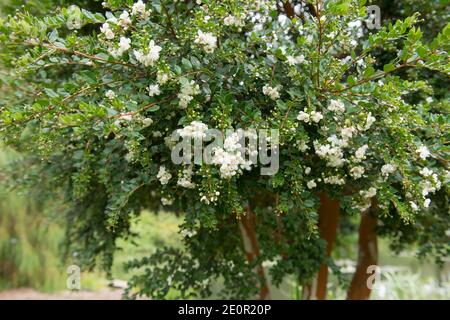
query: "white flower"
423, 152
347, 133
139, 9
162, 78
207, 40
124, 20
361, 152
123, 116
316, 116
271, 92
110, 94
229, 20
426, 203
163, 176
166, 201
369, 121
124, 45
311, 184
357, 172
387, 169
334, 180
291, 60
336, 106
196, 130
426, 172
307, 170
153, 90
188, 90
414, 206
147, 122
233, 21
369, 193
106, 30
151, 57
185, 180
303, 116
429, 99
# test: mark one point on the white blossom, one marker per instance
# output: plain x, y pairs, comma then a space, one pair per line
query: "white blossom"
163, 176
147, 122
426, 172
271, 92
188, 90
291, 60
303, 116
106, 30
361, 152
336, 106
311, 184
368, 193
124, 20
423, 152
414, 206
316, 116
207, 40
347, 133
148, 59
185, 179
153, 90
139, 9
196, 130
387, 169
357, 172
110, 94
166, 201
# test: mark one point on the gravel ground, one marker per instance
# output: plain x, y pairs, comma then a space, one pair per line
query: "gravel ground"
31, 294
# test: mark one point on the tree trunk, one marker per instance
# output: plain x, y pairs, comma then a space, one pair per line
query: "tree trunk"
367, 256
328, 224
247, 226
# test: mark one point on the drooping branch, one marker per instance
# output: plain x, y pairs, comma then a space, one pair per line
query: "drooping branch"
328, 224
367, 255
247, 227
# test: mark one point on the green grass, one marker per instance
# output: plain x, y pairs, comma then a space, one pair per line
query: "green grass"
29, 242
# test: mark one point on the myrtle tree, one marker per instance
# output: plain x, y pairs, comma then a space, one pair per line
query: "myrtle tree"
99, 96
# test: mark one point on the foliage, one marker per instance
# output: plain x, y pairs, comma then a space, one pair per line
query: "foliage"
96, 109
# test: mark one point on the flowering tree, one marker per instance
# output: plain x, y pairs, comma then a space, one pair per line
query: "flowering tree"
99, 96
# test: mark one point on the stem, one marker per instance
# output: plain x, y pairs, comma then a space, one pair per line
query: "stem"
328, 224
247, 226
367, 256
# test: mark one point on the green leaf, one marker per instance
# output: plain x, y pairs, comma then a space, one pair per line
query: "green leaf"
389, 67
154, 108
186, 64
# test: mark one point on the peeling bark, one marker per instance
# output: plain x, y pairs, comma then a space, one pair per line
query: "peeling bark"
247, 226
328, 224
367, 256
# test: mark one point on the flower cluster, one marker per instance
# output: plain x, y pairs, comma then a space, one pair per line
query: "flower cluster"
188, 90
149, 58
163, 175
207, 40
231, 158
271, 92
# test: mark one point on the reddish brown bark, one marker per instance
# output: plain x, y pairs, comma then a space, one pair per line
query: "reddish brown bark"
367, 256
328, 224
251, 247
